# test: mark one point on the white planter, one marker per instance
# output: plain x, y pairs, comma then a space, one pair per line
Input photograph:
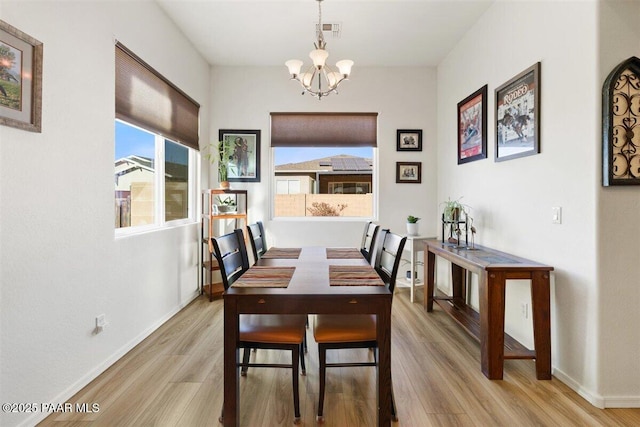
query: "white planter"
412, 229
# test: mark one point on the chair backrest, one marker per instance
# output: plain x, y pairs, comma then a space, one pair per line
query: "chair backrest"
368, 240
257, 239
231, 253
388, 259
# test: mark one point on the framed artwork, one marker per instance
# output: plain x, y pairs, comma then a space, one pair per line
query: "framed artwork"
409, 140
20, 79
621, 125
472, 127
518, 116
244, 165
408, 172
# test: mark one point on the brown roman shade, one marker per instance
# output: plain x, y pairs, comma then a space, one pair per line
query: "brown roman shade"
324, 129
146, 99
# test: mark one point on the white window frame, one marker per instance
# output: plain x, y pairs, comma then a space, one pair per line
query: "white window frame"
159, 189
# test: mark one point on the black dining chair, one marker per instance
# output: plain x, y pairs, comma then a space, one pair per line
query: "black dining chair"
368, 240
257, 240
267, 331
259, 247
333, 332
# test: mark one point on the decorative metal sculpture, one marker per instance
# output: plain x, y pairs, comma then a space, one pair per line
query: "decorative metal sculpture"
621, 125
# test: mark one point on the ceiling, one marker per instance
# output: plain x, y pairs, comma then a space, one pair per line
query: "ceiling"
377, 33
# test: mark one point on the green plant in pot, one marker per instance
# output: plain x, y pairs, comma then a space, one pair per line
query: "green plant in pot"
221, 152
226, 205
453, 210
412, 225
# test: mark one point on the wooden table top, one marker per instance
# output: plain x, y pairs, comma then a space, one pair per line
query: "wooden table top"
311, 276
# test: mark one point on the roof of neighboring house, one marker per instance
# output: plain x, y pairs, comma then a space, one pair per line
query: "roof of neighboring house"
173, 171
339, 163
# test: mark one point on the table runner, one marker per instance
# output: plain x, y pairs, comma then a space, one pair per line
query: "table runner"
265, 277
343, 253
353, 275
289, 253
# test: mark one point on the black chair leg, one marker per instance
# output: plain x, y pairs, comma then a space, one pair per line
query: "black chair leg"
322, 361
245, 361
295, 355
302, 364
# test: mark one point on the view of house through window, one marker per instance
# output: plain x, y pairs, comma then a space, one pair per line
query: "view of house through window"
151, 178
323, 181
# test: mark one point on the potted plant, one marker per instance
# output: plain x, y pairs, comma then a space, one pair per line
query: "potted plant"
412, 225
453, 210
452, 215
222, 153
226, 205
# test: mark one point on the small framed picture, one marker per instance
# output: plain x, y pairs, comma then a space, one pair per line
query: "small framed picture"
472, 127
20, 79
409, 140
244, 146
408, 172
518, 115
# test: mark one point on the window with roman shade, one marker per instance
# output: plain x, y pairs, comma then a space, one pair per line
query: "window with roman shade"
156, 148
324, 164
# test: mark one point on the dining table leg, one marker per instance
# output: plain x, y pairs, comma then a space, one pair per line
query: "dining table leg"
383, 321
231, 370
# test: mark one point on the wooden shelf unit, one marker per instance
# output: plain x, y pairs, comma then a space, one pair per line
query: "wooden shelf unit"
208, 262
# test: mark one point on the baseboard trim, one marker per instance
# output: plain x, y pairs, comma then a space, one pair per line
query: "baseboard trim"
94, 373
599, 401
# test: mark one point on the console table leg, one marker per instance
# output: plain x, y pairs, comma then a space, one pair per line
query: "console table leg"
429, 277
492, 298
540, 307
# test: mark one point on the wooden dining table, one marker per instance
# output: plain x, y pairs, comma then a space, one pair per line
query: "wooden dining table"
309, 291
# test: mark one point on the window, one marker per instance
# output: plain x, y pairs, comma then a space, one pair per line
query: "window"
324, 164
154, 178
156, 147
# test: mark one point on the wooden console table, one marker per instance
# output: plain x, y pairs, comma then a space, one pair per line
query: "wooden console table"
493, 268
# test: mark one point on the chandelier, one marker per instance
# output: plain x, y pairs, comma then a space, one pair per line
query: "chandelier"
319, 79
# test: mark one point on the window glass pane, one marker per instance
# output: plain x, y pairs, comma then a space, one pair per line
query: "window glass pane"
344, 177
176, 181
134, 176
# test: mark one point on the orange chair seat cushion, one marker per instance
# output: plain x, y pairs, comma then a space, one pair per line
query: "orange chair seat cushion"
273, 328
331, 328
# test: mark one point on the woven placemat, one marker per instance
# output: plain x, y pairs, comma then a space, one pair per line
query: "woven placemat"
353, 275
265, 277
288, 253
343, 253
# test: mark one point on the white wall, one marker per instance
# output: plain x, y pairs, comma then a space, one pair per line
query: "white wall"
618, 234
243, 98
512, 200
60, 264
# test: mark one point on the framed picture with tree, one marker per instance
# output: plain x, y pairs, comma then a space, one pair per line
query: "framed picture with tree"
20, 79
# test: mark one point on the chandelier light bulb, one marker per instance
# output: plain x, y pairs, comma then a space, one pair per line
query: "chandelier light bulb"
319, 57
294, 66
345, 66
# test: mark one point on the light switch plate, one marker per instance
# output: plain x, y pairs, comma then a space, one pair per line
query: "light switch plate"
556, 215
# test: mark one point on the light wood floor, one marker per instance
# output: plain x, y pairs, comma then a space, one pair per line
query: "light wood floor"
174, 378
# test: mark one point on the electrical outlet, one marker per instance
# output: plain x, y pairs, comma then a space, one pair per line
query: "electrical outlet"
524, 308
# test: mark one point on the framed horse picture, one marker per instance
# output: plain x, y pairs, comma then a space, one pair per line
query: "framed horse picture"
244, 160
518, 116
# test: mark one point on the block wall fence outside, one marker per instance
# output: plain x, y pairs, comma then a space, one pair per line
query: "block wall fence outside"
356, 205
